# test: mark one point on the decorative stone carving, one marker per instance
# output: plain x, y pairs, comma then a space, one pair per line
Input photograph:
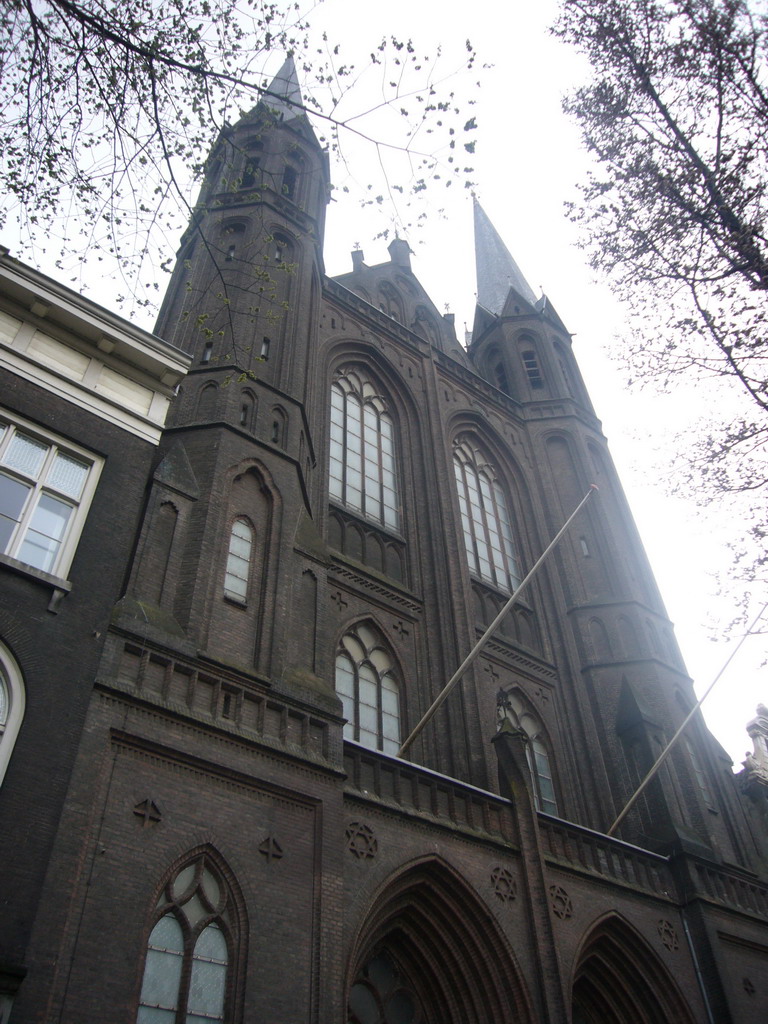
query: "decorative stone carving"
668, 935
271, 849
561, 902
149, 812
361, 840
504, 884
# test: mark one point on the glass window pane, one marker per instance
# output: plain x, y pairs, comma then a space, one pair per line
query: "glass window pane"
390, 729
390, 702
162, 971
209, 974
25, 454
182, 881
43, 538
368, 719
67, 475
212, 889
51, 516
167, 935
380, 660
353, 645
240, 546
211, 945
13, 495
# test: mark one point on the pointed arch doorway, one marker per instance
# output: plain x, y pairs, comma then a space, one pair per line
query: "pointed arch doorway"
430, 952
619, 980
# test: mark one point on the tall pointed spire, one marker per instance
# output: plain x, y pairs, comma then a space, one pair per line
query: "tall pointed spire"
497, 272
284, 94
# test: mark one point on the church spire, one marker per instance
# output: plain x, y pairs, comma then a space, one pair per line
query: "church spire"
284, 94
497, 272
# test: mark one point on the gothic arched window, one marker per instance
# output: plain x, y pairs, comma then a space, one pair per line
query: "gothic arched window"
238, 560
189, 951
362, 457
511, 706
12, 699
485, 520
370, 695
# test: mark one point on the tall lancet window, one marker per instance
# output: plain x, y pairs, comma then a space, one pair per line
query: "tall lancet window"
362, 463
370, 696
485, 519
238, 561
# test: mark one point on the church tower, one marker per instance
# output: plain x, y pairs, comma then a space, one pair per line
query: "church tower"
622, 678
239, 453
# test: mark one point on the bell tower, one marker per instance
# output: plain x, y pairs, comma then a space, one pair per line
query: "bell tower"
626, 680
234, 484
243, 295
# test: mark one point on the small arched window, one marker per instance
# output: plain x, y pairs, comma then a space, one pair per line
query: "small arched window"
12, 700
253, 150
247, 410
485, 519
238, 561
532, 370
282, 250
370, 696
189, 949
362, 457
502, 381
232, 235
290, 178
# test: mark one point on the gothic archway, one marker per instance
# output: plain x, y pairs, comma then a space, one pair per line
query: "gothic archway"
620, 980
429, 952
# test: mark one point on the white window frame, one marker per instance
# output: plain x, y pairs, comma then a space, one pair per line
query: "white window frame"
10, 425
12, 683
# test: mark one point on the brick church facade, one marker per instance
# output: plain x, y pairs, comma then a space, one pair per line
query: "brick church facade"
241, 557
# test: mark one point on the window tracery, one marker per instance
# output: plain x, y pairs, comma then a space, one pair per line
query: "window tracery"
368, 688
189, 950
512, 708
